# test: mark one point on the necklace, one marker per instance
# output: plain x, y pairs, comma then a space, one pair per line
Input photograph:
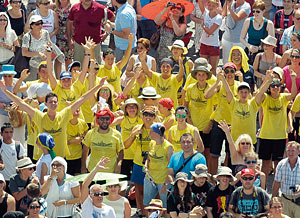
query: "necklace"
259, 23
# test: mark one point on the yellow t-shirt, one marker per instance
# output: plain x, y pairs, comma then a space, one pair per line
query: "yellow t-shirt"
141, 145
103, 145
136, 89
74, 131
158, 165
243, 118
113, 76
33, 133
57, 128
275, 117
127, 125
199, 105
223, 111
190, 80
166, 119
176, 134
71, 94
167, 88
296, 106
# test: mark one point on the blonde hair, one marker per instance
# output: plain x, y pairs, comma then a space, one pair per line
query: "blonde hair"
250, 154
259, 4
275, 200
243, 137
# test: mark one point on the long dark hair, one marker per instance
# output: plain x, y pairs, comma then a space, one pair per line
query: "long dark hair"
182, 18
109, 101
188, 201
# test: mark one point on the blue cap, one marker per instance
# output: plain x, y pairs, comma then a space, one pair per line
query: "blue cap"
46, 140
65, 75
167, 60
74, 64
159, 128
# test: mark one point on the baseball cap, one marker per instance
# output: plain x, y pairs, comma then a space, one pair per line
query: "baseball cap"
247, 172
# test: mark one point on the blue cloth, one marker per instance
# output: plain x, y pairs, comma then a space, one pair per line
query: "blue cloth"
137, 175
126, 17
177, 161
254, 36
143, 3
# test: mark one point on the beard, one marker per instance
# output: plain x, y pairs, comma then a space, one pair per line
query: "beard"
104, 126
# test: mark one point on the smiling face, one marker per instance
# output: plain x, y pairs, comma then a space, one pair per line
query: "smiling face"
132, 110
236, 57
104, 92
16, 4
247, 181
52, 103
3, 20
43, 74
109, 59
295, 57
181, 116
181, 184
104, 122
34, 209
113, 189
166, 68
295, 42
276, 208
97, 194
148, 118
257, 13
187, 144
229, 73
8, 79
244, 146
201, 76
212, 5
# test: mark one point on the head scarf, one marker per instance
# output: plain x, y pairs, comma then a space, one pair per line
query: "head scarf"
61, 161
167, 102
245, 58
8, 26
47, 141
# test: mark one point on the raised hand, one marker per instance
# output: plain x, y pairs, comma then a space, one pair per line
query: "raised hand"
25, 74
102, 80
89, 43
102, 162
224, 126
130, 37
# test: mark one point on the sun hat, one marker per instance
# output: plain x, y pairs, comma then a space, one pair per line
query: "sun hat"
224, 171
24, 163
230, 64
181, 176
279, 71
247, 172
155, 204
179, 44
35, 18
149, 92
109, 182
243, 84
2, 177
149, 109
39, 90
65, 75
270, 40
201, 64
200, 171
130, 101
8, 69
74, 64
105, 112
167, 102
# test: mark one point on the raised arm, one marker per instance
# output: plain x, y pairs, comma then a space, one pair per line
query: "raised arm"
181, 70
293, 93
260, 96
224, 126
159, 19
88, 48
135, 131
52, 79
201, 6
236, 16
130, 84
127, 54
229, 94
17, 88
213, 89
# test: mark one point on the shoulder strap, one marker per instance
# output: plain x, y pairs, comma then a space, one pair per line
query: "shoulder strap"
265, 28
185, 163
0, 143
17, 144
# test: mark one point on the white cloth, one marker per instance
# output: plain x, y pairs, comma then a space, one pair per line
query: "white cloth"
118, 206
213, 39
9, 157
48, 22
43, 159
89, 210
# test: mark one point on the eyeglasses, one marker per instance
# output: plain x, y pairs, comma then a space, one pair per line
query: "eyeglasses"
256, 11
56, 165
140, 47
146, 114
275, 85
181, 116
16, 2
229, 71
295, 56
248, 178
251, 161
104, 118
278, 207
104, 90
45, 3
245, 143
97, 194
33, 207
4, 20
38, 23
177, 8
112, 186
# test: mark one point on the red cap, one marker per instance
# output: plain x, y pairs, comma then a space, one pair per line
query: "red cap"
105, 112
230, 64
247, 172
167, 102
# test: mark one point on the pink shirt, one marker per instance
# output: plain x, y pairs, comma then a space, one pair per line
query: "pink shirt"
288, 80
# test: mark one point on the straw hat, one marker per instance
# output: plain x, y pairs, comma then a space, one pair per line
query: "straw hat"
123, 184
179, 44
155, 204
130, 101
149, 92
24, 164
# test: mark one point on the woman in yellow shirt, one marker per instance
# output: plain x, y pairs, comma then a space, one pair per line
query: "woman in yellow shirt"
165, 108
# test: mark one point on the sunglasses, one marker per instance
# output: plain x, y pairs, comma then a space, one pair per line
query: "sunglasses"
256, 11
1, 182
31, 168
229, 71
33, 207
251, 161
146, 114
177, 8
97, 194
3, 20
112, 186
96, 68
38, 23
275, 85
104, 90
181, 116
16, 2
56, 165
104, 118
245, 143
45, 3
295, 56
248, 178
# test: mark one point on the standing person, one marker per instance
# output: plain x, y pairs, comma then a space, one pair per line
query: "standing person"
84, 20
124, 25
287, 181
235, 12
210, 46
248, 199
7, 202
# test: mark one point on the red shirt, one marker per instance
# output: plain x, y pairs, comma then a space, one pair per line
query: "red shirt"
87, 22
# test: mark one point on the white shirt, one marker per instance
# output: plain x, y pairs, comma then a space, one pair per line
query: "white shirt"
65, 193
6, 54
43, 159
9, 157
89, 210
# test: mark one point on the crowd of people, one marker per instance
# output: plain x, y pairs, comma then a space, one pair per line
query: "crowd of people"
88, 131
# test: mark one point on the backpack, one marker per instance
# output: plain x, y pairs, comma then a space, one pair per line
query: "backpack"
17, 146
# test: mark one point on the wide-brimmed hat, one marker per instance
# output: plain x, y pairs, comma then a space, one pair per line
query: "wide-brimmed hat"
130, 101
179, 44
270, 40
182, 176
279, 71
224, 171
123, 184
155, 204
149, 92
35, 18
2, 177
244, 85
24, 163
201, 64
200, 171
8, 69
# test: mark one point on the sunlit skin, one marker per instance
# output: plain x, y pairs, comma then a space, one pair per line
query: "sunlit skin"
177, 51
295, 43
52, 103
16, 5
224, 180
166, 70
276, 209
257, 15
162, 109
27, 172
3, 24
150, 101
43, 75
75, 72
187, 144
275, 91
109, 61
147, 120
8, 79
247, 184
140, 48
113, 190
104, 93
243, 94
176, 12
236, 57
244, 147
201, 78
211, 6
34, 212
230, 76
97, 200
104, 124
132, 110
7, 135
295, 61
200, 181
181, 120
66, 83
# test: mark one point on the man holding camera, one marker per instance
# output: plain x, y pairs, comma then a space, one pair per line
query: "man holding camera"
287, 178
248, 200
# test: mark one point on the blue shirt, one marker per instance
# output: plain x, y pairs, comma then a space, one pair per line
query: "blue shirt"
177, 161
126, 17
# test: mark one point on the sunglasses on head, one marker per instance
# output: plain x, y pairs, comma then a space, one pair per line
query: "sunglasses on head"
33, 207
295, 56
229, 71
146, 114
248, 178
38, 23
104, 118
245, 143
97, 194
181, 116
56, 165
255, 11
251, 161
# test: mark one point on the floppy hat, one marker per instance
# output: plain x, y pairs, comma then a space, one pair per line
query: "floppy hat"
182, 176
201, 64
279, 71
24, 163
8, 69
130, 101
243, 84
35, 18
74, 64
65, 75
38, 89
247, 172
224, 171
179, 44
109, 182
155, 204
269, 40
149, 92
200, 171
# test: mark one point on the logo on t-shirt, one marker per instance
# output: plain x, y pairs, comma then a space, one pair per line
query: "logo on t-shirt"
102, 144
222, 202
163, 89
248, 206
274, 109
242, 114
53, 131
199, 100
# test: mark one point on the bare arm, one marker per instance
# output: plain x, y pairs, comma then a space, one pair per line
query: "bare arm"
200, 145
127, 209
255, 67
263, 180
181, 70
276, 186
85, 151
76, 194
159, 19
201, 6
56, 25
17, 88
229, 94
11, 203
135, 131
43, 173
260, 96
69, 30
293, 93
52, 79
244, 33
270, 28
236, 16
209, 212
27, 26
224, 126
119, 161
127, 54
212, 90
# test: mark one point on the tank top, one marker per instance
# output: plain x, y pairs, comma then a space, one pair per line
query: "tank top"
48, 22
254, 36
118, 206
149, 61
263, 67
17, 24
3, 205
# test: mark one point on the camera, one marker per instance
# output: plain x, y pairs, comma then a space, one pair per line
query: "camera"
144, 155
171, 4
294, 188
247, 214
